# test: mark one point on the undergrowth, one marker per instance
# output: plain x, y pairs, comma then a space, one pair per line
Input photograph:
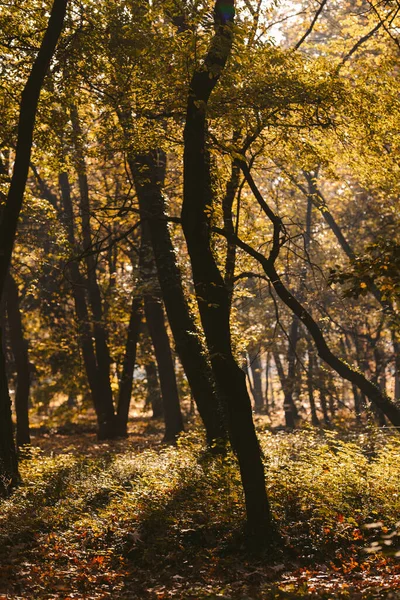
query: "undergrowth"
168, 522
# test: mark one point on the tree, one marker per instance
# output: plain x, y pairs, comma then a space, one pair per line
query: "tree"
10, 213
211, 291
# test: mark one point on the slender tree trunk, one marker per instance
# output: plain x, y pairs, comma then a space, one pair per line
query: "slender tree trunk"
149, 174
100, 334
156, 323
19, 347
8, 457
268, 387
155, 320
287, 395
332, 406
212, 295
292, 363
256, 370
379, 379
10, 215
154, 398
396, 352
83, 318
310, 384
356, 395
230, 228
323, 403
271, 386
78, 284
126, 381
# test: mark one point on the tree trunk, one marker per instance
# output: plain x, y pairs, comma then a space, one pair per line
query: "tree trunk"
256, 370
110, 428
356, 395
290, 421
19, 347
169, 390
105, 429
9, 475
212, 295
230, 228
379, 379
396, 352
310, 384
155, 320
10, 215
149, 174
153, 390
268, 385
126, 381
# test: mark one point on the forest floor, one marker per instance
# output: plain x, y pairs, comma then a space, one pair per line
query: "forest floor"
134, 519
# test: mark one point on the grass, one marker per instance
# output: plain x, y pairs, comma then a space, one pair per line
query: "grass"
122, 520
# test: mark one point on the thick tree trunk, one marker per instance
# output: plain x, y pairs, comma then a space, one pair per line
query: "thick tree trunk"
126, 381
19, 347
11, 210
149, 174
212, 295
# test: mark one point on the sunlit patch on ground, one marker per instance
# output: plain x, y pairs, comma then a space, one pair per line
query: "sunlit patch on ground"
139, 520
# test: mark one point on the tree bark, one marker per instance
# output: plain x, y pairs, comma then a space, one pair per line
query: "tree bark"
212, 295
19, 347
